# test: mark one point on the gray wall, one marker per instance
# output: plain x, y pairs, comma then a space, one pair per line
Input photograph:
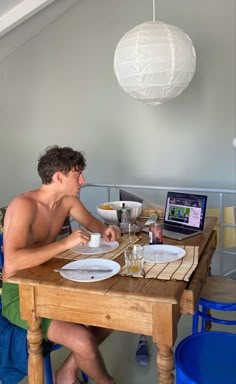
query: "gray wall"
59, 88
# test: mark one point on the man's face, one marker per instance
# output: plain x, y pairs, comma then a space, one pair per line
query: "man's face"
74, 180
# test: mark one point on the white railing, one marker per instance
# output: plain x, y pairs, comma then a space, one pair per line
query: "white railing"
217, 198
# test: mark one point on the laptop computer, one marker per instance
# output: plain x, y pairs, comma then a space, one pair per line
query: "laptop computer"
184, 215
126, 196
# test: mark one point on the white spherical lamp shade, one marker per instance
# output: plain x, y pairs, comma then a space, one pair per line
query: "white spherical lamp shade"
154, 62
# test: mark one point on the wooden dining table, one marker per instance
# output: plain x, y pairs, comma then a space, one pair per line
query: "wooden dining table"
138, 305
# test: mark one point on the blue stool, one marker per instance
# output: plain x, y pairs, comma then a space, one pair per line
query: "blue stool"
206, 358
219, 294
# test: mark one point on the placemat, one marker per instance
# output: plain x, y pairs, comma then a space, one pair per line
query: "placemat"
124, 241
180, 269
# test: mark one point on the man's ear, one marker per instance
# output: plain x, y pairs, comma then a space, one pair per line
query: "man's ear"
57, 177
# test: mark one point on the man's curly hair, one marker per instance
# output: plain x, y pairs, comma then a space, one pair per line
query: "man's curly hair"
59, 159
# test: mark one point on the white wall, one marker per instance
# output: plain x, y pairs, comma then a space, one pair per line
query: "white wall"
59, 88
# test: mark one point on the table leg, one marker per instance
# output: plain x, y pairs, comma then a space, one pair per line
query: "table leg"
34, 334
35, 360
165, 364
165, 320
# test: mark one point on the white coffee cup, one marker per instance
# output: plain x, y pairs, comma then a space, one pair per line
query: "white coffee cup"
95, 239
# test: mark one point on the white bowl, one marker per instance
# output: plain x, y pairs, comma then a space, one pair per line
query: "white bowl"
108, 211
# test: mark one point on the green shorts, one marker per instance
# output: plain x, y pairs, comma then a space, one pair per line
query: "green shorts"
11, 308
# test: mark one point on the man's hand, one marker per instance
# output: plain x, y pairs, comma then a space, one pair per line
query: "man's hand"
111, 233
77, 237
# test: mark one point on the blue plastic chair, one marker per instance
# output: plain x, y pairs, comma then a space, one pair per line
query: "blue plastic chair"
219, 294
206, 358
14, 361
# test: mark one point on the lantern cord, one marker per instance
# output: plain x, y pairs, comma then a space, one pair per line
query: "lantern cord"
154, 10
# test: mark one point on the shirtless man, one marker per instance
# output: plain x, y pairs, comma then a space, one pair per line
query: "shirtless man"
32, 223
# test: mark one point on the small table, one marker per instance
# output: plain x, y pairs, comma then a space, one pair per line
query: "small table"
143, 306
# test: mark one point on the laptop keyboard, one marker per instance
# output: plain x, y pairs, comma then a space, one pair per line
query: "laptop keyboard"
186, 231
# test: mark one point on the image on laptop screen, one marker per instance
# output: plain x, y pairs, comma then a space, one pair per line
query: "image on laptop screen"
184, 209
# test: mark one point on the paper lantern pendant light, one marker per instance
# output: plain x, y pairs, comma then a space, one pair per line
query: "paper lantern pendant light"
154, 62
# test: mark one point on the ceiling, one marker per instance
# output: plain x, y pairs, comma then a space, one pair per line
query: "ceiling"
6, 5
14, 12
22, 19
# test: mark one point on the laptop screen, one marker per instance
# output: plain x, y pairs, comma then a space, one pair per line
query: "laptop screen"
185, 210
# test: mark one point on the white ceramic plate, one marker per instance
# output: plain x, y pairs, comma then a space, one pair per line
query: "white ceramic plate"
161, 253
90, 277
103, 248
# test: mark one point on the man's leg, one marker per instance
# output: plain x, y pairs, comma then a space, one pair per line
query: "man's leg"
83, 342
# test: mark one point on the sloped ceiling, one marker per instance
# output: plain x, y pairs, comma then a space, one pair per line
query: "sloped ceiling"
14, 12
22, 19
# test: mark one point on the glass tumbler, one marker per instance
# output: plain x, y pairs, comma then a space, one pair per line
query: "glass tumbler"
129, 229
134, 260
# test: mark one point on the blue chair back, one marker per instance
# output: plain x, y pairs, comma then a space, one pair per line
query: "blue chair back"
13, 353
206, 358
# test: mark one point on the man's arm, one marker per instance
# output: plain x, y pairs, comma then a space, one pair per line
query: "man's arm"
88, 221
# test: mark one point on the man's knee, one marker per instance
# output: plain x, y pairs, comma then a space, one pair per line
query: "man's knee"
75, 337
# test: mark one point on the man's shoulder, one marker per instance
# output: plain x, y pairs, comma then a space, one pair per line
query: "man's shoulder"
71, 200
23, 199
20, 206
